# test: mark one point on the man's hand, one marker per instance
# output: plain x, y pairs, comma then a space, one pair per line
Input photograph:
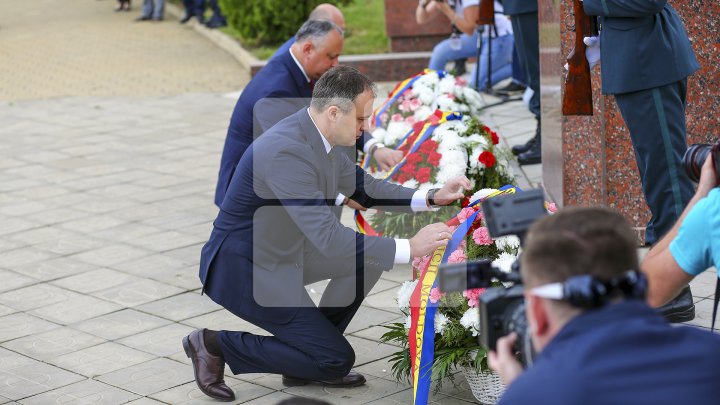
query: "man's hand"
708, 180
592, 50
429, 238
387, 158
503, 361
452, 191
354, 205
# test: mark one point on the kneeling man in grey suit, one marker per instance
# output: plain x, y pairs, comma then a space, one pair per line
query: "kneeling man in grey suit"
277, 231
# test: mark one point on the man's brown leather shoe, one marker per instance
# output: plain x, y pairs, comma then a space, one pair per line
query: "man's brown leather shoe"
208, 369
353, 379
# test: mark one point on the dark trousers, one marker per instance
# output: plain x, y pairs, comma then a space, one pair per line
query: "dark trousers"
656, 120
199, 9
311, 345
525, 28
518, 71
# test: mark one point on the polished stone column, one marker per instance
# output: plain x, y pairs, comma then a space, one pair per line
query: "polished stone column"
590, 160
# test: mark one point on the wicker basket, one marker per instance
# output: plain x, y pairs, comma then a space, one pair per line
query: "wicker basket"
486, 387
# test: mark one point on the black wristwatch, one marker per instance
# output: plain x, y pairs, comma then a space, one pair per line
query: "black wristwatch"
431, 197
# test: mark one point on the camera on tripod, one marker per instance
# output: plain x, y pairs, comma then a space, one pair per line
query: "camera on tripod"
501, 307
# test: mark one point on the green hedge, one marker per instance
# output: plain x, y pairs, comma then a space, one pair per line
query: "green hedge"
269, 22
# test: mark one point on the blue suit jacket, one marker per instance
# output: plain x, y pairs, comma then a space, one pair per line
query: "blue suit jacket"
277, 208
643, 45
282, 79
283, 48
624, 353
515, 7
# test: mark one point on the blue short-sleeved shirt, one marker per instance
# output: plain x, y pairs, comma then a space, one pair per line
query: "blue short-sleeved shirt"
697, 245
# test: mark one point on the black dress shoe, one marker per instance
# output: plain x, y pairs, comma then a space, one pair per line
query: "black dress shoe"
532, 156
143, 18
209, 369
680, 309
353, 379
186, 18
215, 24
510, 89
518, 149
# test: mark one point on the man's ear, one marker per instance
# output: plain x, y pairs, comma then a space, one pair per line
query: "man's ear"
538, 307
333, 113
307, 48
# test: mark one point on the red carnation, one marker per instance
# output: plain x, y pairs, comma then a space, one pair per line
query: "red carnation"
423, 175
414, 158
487, 158
402, 177
465, 202
495, 138
434, 158
408, 169
428, 146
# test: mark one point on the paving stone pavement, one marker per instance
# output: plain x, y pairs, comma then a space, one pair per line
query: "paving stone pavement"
108, 159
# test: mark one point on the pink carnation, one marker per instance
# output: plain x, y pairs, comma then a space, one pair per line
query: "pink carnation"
436, 295
552, 207
473, 296
407, 93
451, 96
419, 263
410, 120
405, 105
465, 213
458, 256
384, 118
459, 81
415, 103
481, 236
396, 117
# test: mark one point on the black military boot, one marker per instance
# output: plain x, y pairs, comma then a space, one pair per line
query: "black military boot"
518, 149
534, 154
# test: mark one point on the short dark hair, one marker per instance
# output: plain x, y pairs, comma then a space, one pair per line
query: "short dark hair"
315, 30
576, 241
340, 86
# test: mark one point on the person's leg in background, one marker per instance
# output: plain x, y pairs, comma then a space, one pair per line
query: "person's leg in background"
443, 52
501, 62
146, 11
518, 83
525, 29
189, 11
218, 19
158, 10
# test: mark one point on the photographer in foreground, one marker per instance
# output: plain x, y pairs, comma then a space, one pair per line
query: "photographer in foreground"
692, 245
608, 346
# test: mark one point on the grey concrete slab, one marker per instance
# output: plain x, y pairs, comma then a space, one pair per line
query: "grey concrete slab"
374, 389
161, 342
150, 377
120, 324
189, 394
35, 296
136, 293
56, 342
55, 268
180, 307
21, 324
83, 392
75, 309
101, 359
95, 280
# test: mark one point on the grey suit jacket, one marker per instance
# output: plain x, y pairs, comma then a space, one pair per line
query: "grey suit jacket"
278, 205
643, 44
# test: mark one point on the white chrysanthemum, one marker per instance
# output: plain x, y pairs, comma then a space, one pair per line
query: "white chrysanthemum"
404, 293
422, 113
412, 183
445, 103
504, 262
505, 243
396, 131
451, 141
408, 321
452, 164
440, 322
447, 85
379, 134
482, 193
472, 98
471, 321
427, 97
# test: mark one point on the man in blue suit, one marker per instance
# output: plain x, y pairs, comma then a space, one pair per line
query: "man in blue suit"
524, 17
276, 233
600, 346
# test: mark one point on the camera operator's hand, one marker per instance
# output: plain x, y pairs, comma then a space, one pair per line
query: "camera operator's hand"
429, 238
452, 191
707, 178
387, 158
354, 205
503, 360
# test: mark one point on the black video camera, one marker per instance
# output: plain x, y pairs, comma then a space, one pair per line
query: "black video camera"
502, 308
